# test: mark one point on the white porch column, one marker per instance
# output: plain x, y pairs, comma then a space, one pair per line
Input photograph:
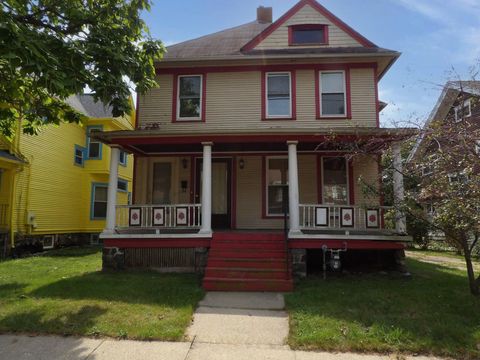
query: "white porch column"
207, 189
398, 189
293, 197
112, 190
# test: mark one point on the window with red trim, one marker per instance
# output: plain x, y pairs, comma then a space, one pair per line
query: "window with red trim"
333, 94
308, 34
190, 97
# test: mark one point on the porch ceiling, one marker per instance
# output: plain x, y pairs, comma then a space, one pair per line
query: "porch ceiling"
148, 142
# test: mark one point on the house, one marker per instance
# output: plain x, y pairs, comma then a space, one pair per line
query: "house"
453, 128
242, 155
53, 185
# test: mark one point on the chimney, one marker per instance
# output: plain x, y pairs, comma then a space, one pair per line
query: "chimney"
264, 14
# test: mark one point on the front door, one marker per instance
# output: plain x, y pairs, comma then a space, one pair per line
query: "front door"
221, 191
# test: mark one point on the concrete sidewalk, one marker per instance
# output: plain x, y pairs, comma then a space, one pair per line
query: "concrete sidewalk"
69, 348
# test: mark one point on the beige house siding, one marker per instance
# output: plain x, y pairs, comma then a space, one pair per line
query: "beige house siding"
366, 176
233, 104
307, 15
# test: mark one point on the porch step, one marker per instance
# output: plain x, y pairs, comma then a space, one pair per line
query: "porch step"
247, 262
222, 284
242, 273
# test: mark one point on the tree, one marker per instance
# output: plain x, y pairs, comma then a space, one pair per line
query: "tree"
450, 163
51, 49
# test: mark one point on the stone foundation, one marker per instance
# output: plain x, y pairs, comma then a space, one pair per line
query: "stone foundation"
113, 259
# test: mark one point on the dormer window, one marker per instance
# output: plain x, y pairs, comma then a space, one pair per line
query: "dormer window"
463, 110
308, 34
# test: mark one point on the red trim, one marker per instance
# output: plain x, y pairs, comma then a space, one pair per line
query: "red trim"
319, 180
192, 179
234, 193
244, 68
350, 244
269, 30
377, 100
175, 96
292, 28
351, 183
140, 243
134, 180
348, 94
293, 80
136, 112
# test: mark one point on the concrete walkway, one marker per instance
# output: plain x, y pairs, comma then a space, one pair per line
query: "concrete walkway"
226, 326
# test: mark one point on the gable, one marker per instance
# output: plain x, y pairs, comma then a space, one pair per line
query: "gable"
307, 12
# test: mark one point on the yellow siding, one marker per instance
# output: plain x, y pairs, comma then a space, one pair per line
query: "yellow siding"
53, 189
233, 104
307, 15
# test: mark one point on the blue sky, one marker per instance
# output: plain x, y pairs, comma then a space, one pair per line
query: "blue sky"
439, 39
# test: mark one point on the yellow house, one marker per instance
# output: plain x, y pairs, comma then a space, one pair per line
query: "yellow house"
53, 186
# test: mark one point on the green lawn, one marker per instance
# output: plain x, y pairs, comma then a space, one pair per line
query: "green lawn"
64, 292
433, 312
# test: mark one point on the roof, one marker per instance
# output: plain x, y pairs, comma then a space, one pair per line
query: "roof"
222, 43
240, 42
86, 104
449, 94
10, 157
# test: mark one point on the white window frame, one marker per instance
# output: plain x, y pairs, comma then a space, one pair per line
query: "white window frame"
460, 109
267, 114
477, 147
344, 94
195, 118
322, 173
48, 241
267, 160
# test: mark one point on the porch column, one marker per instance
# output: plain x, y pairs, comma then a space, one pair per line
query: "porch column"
398, 189
112, 190
293, 197
207, 189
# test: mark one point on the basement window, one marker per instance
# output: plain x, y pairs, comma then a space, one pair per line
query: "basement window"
308, 34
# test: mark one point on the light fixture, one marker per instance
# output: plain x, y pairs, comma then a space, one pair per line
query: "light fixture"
241, 163
184, 163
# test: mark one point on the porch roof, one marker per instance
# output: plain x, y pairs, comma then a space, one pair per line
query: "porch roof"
151, 141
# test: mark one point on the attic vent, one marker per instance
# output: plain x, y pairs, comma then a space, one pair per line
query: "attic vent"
264, 14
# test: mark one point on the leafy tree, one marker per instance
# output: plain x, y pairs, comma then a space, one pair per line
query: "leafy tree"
51, 49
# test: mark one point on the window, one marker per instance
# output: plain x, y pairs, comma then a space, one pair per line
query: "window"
123, 158
122, 185
79, 154
463, 111
99, 201
313, 34
279, 99
335, 181
162, 183
477, 147
333, 99
277, 185
94, 147
189, 102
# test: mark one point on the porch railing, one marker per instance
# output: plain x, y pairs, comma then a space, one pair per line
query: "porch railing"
4, 215
176, 216
336, 217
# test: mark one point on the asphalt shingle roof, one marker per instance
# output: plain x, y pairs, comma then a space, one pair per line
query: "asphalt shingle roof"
85, 104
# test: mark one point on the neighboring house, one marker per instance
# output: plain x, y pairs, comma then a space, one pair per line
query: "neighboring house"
457, 111
241, 121
53, 185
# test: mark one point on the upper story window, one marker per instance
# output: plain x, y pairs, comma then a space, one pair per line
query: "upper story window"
123, 158
308, 34
463, 110
333, 97
279, 95
79, 155
189, 102
94, 147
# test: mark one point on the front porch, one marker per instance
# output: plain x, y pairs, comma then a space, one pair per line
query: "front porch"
302, 193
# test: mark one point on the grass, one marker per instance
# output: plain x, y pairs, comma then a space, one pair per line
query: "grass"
430, 313
64, 292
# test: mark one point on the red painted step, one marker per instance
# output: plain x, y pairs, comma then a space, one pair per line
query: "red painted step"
221, 284
238, 245
247, 254
247, 263
240, 273
249, 236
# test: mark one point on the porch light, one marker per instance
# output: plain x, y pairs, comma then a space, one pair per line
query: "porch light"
184, 163
241, 163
